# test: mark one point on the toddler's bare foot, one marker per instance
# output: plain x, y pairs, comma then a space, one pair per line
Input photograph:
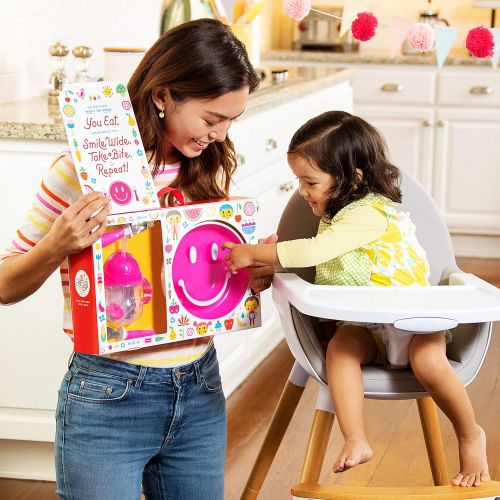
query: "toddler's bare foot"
354, 452
473, 461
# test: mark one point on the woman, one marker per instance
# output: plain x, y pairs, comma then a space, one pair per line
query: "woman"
155, 416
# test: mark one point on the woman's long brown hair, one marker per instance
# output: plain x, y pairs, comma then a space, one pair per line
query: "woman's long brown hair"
339, 143
197, 60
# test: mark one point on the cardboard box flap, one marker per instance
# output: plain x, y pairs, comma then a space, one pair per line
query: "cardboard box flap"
106, 144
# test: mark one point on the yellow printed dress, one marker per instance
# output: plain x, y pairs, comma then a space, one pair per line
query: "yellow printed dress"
396, 258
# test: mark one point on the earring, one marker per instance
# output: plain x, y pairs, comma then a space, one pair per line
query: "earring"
161, 114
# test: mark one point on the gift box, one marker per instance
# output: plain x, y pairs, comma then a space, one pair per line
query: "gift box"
157, 275
179, 282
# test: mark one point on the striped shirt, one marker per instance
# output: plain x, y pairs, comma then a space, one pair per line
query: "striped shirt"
59, 189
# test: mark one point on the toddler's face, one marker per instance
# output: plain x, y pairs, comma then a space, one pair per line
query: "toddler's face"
314, 184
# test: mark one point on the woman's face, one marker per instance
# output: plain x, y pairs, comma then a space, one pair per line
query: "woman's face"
195, 123
314, 184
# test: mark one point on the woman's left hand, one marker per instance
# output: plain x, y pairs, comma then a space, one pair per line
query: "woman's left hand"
260, 277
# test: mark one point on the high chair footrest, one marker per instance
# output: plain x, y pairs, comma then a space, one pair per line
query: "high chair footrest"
487, 491
449, 305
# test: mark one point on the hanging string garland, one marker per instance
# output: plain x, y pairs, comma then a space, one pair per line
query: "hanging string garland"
480, 41
364, 26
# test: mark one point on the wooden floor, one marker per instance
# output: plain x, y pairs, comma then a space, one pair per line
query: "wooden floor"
393, 429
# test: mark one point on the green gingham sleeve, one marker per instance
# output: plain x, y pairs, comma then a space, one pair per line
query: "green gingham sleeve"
358, 227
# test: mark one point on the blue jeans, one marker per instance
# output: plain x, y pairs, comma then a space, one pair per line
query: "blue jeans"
120, 425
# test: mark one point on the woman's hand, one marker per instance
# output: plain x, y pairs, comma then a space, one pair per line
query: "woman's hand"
80, 225
261, 276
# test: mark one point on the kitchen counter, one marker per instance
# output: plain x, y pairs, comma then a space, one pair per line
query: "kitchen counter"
35, 119
457, 57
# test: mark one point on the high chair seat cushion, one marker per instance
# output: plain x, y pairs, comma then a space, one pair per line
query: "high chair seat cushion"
383, 383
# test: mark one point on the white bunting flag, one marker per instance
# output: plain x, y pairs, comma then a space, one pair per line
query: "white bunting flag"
444, 38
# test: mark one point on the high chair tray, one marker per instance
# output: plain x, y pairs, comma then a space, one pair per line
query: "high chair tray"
467, 299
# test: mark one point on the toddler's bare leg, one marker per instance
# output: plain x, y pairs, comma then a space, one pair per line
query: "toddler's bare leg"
350, 347
433, 370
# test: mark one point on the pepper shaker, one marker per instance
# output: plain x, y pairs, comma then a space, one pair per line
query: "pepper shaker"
57, 79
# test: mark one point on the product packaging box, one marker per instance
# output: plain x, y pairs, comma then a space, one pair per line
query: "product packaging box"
157, 275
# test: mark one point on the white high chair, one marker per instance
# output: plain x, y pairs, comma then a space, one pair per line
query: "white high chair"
455, 300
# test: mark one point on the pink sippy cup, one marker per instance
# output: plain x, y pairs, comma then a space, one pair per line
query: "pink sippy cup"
125, 288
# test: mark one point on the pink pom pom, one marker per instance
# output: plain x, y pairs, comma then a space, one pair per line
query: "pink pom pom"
363, 28
421, 37
298, 9
480, 42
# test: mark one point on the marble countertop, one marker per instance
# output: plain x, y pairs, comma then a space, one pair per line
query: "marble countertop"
35, 119
457, 57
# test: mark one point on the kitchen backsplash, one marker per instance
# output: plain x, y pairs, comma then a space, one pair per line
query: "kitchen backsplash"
29, 27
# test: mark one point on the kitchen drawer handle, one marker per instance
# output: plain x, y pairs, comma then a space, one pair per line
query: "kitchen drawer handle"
271, 144
240, 160
481, 90
392, 87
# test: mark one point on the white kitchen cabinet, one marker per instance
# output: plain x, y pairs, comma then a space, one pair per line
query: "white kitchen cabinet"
467, 173
399, 102
34, 351
449, 142
409, 133
393, 85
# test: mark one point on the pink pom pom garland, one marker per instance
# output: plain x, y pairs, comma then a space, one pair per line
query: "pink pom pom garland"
480, 42
298, 9
364, 26
421, 37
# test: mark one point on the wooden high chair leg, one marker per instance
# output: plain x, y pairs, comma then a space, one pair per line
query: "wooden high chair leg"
319, 436
283, 413
433, 441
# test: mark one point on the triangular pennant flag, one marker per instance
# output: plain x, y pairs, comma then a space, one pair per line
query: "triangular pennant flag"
444, 38
496, 51
399, 28
351, 10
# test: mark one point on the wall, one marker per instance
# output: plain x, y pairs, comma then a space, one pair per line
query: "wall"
459, 13
29, 27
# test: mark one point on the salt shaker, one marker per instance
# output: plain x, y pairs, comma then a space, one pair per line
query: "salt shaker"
82, 53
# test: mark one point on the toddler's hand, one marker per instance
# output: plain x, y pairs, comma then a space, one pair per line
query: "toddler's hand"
240, 256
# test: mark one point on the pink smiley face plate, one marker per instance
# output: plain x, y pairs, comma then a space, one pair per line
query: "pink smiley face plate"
200, 280
203, 298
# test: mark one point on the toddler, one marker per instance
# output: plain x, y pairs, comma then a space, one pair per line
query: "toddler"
364, 239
